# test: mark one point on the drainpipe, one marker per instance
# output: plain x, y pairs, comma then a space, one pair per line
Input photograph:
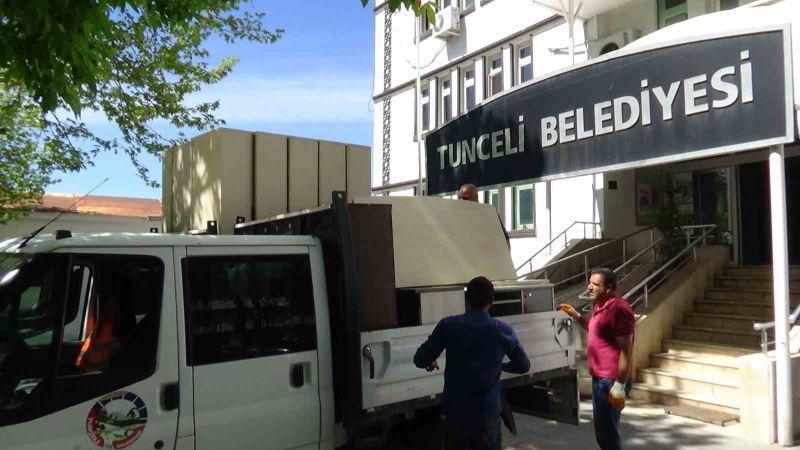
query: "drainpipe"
419, 111
780, 280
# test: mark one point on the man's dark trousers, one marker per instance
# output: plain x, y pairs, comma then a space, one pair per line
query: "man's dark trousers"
606, 417
472, 435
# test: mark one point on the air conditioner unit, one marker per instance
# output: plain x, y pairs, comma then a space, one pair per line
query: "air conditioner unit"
448, 22
613, 42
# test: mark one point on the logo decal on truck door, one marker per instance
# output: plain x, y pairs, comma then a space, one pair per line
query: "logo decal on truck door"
117, 420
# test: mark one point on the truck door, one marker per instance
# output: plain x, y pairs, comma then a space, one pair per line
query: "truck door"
89, 351
252, 347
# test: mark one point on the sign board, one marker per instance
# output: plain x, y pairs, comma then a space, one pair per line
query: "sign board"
691, 99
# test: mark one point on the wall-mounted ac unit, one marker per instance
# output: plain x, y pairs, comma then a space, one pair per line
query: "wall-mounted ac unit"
448, 22
613, 42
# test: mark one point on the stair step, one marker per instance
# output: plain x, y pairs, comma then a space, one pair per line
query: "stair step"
703, 415
707, 366
685, 348
723, 389
750, 282
748, 295
726, 321
676, 397
717, 335
757, 310
735, 271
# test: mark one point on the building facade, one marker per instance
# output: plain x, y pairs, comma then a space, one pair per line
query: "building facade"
482, 50
499, 45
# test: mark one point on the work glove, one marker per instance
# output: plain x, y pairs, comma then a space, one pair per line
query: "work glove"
616, 396
567, 309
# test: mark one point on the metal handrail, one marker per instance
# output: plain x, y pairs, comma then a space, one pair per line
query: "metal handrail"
584, 253
763, 327
549, 245
583, 295
644, 284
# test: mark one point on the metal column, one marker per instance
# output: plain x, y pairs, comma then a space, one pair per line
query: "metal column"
780, 275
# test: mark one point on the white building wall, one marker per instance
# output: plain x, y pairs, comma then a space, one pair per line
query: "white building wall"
495, 28
77, 223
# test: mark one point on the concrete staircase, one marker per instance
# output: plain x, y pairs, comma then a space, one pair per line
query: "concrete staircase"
697, 369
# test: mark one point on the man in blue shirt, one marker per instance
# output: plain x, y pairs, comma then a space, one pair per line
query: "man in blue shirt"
476, 345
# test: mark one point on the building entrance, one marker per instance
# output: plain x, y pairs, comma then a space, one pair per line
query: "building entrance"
755, 237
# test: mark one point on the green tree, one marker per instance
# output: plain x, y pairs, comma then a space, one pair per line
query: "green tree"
133, 61
425, 8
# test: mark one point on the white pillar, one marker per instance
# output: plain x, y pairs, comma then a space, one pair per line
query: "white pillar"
508, 67
433, 102
480, 78
455, 91
780, 275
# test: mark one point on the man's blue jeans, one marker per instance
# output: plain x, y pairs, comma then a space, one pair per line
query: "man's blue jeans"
472, 434
606, 417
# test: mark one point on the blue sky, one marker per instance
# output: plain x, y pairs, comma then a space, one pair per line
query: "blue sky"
314, 82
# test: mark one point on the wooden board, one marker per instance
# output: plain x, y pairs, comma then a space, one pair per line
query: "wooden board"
358, 171
303, 174
372, 250
235, 150
332, 170
441, 241
272, 171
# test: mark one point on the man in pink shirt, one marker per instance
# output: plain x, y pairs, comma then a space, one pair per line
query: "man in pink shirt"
610, 353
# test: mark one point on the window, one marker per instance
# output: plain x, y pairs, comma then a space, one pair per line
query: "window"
447, 101
525, 64
110, 305
242, 307
728, 4
425, 27
426, 110
469, 90
444, 3
671, 11
523, 207
492, 197
467, 5
496, 75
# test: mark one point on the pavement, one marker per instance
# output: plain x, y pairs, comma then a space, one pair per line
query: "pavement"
644, 426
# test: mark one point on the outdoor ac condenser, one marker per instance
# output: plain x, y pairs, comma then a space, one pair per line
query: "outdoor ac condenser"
448, 22
613, 42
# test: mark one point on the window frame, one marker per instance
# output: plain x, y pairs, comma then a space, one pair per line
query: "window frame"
515, 229
465, 85
665, 14
187, 295
524, 61
425, 101
446, 100
493, 72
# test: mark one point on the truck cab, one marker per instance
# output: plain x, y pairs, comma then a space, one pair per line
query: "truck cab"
155, 341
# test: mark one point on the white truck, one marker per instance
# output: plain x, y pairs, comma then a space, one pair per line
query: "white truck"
296, 334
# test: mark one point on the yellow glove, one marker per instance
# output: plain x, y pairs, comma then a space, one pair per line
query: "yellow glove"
616, 396
567, 309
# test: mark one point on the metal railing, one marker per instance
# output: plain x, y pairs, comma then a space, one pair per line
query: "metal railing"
549, 268
764, 327
595, 235
660, 275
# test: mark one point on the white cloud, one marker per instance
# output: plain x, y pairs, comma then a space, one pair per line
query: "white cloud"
313, 98
307, 97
